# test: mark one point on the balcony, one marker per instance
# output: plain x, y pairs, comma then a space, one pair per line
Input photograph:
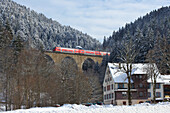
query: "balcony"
124, 89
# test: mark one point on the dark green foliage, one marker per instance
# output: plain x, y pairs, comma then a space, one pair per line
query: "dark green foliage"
5, 35
17, 46
143, 32
43, 32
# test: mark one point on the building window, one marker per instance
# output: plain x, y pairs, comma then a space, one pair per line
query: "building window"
124, 94
108, 72
124, 102
110, 78
120, 86
158, 86
158, 94
140, 76
141, 94
140, 85
112, 86
104, 88
112, 95
137, 76
112, 102
149, 94
132, 85
108, 87
149, 86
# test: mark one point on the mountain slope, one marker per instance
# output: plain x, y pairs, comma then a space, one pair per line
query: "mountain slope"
41, 30
143, 32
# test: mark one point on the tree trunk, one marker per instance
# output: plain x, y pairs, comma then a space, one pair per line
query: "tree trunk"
154, 91
129, 92
18, 106
6, 98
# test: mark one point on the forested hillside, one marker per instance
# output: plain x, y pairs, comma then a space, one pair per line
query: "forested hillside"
143, 33
27, 76
40, 30
150, 32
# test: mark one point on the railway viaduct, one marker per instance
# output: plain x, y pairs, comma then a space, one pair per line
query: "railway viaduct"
58, 57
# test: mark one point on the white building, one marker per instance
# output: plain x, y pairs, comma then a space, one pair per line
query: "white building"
115, 85
166, 79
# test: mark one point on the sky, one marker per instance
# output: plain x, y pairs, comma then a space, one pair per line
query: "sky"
98, 18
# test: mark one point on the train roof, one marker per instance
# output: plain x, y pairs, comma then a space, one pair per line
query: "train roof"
79, 47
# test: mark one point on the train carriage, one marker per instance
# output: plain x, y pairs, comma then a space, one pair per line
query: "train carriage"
79, 50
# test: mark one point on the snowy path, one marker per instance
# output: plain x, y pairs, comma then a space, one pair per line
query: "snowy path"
142, 108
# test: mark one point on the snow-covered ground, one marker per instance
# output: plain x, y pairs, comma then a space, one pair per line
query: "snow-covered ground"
141, 108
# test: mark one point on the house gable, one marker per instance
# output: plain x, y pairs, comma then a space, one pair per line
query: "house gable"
108, 76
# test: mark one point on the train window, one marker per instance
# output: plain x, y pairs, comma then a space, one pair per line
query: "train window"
76, 51
97, 53
81, 51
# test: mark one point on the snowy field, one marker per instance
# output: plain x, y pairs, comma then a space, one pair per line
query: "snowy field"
141, 108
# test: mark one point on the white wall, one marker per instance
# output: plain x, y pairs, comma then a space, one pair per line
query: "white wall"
105, 84
161, 90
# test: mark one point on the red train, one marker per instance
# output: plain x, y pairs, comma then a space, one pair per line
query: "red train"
79, 50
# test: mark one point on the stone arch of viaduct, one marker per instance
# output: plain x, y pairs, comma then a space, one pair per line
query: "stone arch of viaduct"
59, 57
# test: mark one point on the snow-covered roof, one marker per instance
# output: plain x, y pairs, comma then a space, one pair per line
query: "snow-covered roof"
166, 79
120, 76
159, 79
117, 74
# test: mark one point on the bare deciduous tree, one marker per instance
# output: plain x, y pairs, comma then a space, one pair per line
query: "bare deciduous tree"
6, 63
74, 84
153, 73
160, 54
127, 56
